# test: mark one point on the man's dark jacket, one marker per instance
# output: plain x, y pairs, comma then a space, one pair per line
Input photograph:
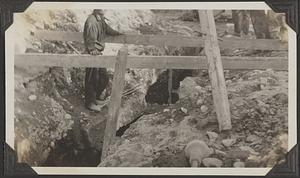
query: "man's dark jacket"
94, 33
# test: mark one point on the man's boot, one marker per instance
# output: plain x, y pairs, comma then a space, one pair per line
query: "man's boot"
100, 103
94, 107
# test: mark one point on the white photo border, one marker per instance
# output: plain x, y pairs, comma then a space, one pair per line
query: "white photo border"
9, 81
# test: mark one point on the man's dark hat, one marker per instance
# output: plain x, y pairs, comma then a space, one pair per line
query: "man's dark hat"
98, 11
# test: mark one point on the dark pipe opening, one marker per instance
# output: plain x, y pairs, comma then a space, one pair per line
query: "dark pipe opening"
122, 130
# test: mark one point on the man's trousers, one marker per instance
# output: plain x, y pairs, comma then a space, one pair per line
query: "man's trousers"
96, 80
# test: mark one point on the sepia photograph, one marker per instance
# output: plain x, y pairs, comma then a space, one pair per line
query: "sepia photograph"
107, 85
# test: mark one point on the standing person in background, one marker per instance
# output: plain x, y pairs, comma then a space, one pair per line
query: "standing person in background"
264, 24
241, 20
96, 79
260, 23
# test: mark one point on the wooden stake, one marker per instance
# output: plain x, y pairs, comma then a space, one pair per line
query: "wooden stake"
170, 78
215, 69
115, 100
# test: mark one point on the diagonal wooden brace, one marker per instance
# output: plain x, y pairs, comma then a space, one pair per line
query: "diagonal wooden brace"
215, 69
115, 101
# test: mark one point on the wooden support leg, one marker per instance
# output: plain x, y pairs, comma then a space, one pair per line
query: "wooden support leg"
170, 78
215, 69
115, 100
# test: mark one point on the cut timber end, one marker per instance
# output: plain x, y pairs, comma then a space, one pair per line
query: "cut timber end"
215, 69
115, 100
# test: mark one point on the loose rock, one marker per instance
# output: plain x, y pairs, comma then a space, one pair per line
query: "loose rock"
249, 149
237, 153
212, 162
228, 142
270, 71
239, 164
148, 150
52, 144
202, 123
228, 81
32, 97
253, 138
264, 81
199, 88
282, 98
212, 136
166, 110
219, 152
184, 110
195, 151
68, 116
204, 108
199, 101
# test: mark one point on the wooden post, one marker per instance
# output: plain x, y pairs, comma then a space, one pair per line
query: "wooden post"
215, 69
115, 100
170, 88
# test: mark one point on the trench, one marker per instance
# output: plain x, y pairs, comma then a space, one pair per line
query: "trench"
67, 152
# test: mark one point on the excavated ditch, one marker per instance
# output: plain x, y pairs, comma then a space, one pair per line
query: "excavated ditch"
72, 151
66, 153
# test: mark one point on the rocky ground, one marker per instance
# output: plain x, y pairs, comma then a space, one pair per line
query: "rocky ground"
259, 119
54, 129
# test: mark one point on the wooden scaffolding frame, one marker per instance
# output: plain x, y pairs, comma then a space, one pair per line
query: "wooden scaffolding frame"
211, 61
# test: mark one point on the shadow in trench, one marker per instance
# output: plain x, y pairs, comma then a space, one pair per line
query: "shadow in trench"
66, 153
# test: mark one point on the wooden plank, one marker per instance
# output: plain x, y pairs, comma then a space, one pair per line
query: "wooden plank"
157, 40
253, 44
115, 100
58, 35
215, 69
169, 40
154, 62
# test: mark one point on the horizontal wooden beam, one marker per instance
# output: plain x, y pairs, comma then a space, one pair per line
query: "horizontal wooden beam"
157, 40
154, 62
169, 40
